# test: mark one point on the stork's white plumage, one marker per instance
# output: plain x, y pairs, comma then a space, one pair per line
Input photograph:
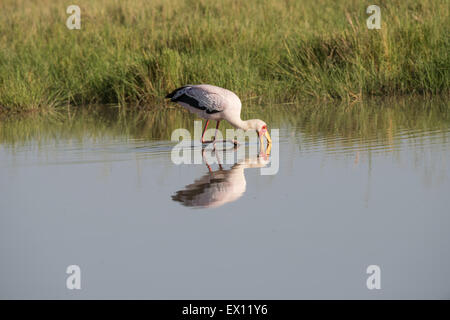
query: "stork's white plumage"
214, 103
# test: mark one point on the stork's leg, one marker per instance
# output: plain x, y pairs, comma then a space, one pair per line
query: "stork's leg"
204, 130
235, 143
206, 161
215, 134
217, 129
218, 161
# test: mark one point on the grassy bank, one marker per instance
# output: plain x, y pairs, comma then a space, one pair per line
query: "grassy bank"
133, 52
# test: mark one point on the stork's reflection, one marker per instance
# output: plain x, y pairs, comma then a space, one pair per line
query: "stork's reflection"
221, 186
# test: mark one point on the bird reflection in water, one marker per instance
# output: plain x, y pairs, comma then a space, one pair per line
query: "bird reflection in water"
221, 186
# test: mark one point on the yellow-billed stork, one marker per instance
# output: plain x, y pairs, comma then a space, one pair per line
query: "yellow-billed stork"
214, 103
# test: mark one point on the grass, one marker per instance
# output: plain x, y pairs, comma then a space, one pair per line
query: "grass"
132, 53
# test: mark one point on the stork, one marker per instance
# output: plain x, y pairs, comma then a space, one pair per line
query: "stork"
214, 103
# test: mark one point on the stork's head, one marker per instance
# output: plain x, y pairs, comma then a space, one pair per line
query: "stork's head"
261, 129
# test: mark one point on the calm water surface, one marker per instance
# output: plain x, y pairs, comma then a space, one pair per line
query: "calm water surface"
358, 185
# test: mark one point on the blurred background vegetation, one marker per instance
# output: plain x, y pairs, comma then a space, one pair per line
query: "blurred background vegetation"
132, 52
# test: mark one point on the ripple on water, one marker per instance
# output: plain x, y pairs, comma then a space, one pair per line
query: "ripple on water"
402, 140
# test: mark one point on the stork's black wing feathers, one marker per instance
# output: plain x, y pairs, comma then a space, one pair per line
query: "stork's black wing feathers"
190, 101
197, 98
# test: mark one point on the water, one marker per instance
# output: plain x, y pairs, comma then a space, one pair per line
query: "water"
357, 185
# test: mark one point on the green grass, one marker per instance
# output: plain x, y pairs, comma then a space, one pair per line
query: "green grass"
132, 53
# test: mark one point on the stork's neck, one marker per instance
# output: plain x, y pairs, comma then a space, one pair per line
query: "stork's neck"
238, 123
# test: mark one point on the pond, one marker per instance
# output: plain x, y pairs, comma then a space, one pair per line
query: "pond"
357, 185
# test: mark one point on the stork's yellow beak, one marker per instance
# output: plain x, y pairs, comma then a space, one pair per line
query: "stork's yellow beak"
269, 140
267, 135
269, 147
264, 132
265, 153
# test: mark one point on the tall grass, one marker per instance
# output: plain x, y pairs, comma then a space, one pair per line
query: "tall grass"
133, 52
